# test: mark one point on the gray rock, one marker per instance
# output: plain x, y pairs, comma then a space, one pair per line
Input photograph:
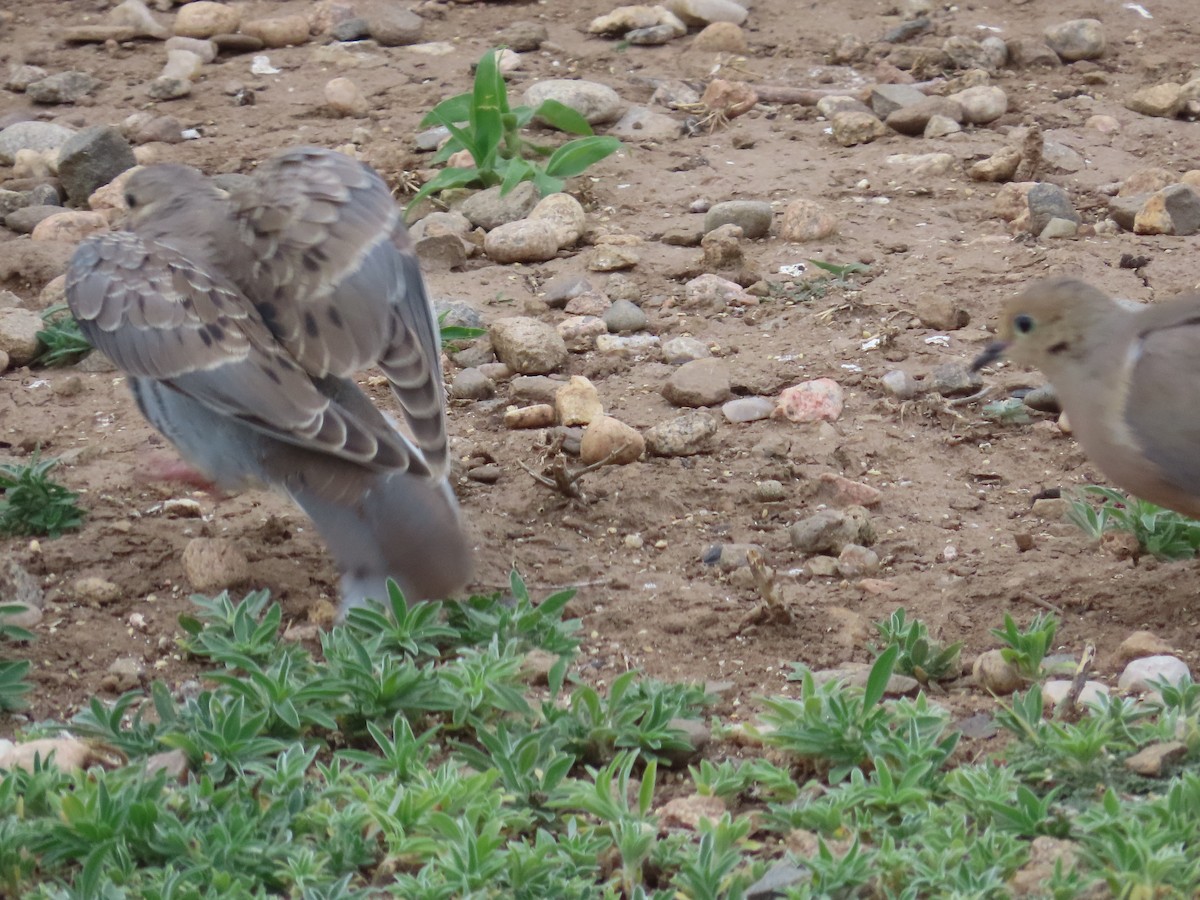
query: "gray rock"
1124, 210
831, 106
12, 200
522, 36
899, 384
21, 77
777, 880
1043, 399
982, 104
1059, 228
91, 159
686, 435
598, 103
353, 29
680, 350
1077, 39
562, 288
1182, 205
852, 128
954, 379
168, 87
1046, 202
752, 216
940, 312
124, 674
856, 561
471, 384
441, 251
887, 98
531, 389
431, 138
701, 382
528, 346
830, 530
19, 335
748, 409
702, 12
652, 36
1140, 673
1028, 53
458, 312
19, 587
39, 136
392, 25
522, 241
913, 119
728, 557
965, 53
770, 491
641, 123
24, 220
63, 87
624, 316
488, 208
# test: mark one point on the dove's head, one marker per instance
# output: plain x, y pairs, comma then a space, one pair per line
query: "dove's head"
1051, 325
162, 192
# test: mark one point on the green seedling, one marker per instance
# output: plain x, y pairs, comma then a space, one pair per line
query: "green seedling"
919, 657
1027, 649
1162, 533
32, 504
64, 342
482, 123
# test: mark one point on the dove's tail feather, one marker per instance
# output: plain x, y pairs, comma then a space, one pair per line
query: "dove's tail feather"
403, 527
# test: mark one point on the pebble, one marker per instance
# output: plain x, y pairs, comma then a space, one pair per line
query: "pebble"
393, 25
63, 87
522, 241
1160, 100
714, 292
748, 409
37, 136
214, 564
20, 77
614, 253
686, 435
654, 36
752, 216
625, 19
204, 19
702, 12
839, 490
71, 227
92, 158
721, 37
578, 402
830, 530
123, 674
598, 103
528, 346
19, 335
683, 349
641, 123
830, 106
19, 587
355, 28
564, 214
345, 98
485, 474
729, 98
1077, 39
626, 344
534, 389
183, 64
982, 104
856, 561
604, 436
624, 316
238, 43
914, 118
852, 128
205, 49
990, 54
701, 382
278, 31
27, 219
489, 208
1142, 643
540, 415
923, 165
1059, 228
806, 220
582, 333
1152, 760
821, 399
1030, 52
1057, 689
899, 384
940, 312
1043, 399
1139, 673
689, 813
993, 673
562, 288
722, 249
591, 303
168, 88
471, 384
160, 129
523, 36
941, 126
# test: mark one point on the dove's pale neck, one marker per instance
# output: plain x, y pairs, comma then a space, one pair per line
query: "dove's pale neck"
178, 206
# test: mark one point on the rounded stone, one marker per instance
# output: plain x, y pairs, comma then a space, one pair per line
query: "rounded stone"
752, 216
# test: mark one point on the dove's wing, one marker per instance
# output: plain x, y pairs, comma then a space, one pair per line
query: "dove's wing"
158, 316
336, 280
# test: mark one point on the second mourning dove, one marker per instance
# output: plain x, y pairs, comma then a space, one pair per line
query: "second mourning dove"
240, 320
1127, 378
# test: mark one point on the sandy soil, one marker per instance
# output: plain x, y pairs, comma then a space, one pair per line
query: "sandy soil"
956, 490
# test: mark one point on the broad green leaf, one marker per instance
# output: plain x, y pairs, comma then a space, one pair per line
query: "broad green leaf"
488, 104
559, 115
880, 673
467, 139
443, 180
456, 109
575, 157
546, 184
515, 171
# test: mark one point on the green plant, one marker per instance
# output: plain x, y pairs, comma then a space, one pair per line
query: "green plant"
1027, 649
13, 686
482, 123
64, 342
452, 333
799, 290
33, 504
1163, 533
919, 657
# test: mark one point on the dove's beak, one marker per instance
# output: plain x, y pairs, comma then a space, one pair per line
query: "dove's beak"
990, 354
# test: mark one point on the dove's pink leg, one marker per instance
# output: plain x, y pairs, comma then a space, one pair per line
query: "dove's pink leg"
167, 467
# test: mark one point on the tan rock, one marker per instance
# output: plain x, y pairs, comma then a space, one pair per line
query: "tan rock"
578, 402
565, 214
205, 18
18, 335
278, 31
344, 98
540, 415
214, 564
806, 220
1143, 643
604, 436
729, 98
71, 227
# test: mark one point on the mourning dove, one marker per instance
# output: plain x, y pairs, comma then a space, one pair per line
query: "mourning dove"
240, 319
1126, 376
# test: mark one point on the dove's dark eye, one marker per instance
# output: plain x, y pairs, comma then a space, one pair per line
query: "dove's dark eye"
131, 201
1023, 324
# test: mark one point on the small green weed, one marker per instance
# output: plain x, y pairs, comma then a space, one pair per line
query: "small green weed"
1163, 533
13, 686
32, 503
834, 276
1027, 649
64, 342
482, 123
919, 657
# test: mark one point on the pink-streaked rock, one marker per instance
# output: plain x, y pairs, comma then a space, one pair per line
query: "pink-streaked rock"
819, 400
839, 490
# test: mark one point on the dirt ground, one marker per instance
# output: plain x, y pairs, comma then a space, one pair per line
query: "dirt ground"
956, 490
